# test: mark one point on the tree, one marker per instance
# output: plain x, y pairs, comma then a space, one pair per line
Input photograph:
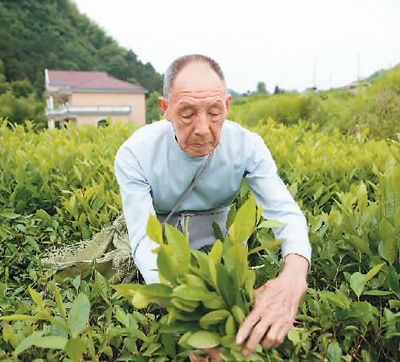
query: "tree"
152, 111
21, 88
278, 90
261, 88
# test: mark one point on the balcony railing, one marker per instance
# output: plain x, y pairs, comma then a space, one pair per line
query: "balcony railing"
88, 111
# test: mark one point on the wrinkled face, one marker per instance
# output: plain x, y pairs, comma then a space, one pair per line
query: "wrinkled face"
197, 108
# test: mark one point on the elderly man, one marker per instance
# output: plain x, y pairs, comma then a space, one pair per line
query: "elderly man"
193, 163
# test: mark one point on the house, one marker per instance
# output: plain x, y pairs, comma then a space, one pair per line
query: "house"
91, 98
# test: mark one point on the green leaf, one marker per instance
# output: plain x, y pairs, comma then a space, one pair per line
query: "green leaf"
230, 327
101, 285
397, 217
36, 297
165, 264
393, 303
54, 342
78, 315
378, 293
338, 298
156, 290
9, 335
259, 213
249, 281
231, 217
357, 283
76, 282
267, 245
244, 223
18, 317
375, 270
238, 314
360, 244
185, 305
28, 342
226, 285
203, 339
213, 273
294, 336
215, 253
181, 248
393, 279
195, 281
217, 231
236, 262
154, 229
169, 344
388, 248
140, 300
215, 303
126, 290
122, 317
213, 317
203, 261
270, 224
183, 340
74, 348
190, 293
334, 352
59, 302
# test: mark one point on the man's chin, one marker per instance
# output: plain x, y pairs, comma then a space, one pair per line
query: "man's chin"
199, 151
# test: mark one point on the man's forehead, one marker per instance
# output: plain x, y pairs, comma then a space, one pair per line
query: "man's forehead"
191, 94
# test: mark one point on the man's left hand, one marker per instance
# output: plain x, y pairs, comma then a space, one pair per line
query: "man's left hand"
275, 307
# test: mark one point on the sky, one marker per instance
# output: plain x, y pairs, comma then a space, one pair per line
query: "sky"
290, 43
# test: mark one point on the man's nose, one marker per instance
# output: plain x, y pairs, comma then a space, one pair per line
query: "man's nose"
202, 125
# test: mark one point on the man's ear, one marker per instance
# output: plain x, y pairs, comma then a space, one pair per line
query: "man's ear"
163, 104
228, 102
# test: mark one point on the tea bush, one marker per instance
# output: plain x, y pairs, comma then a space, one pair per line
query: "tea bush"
57, 187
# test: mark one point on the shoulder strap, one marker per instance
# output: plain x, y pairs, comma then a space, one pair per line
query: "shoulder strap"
189, 189
185, 193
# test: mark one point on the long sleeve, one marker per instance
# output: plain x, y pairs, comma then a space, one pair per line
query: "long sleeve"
278, 204
137, 206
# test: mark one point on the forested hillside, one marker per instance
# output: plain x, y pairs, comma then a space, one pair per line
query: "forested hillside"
52, 34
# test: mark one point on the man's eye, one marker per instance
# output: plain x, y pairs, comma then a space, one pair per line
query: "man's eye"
187, 116
213, 114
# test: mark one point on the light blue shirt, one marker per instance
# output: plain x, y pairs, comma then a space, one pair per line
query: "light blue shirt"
153, 172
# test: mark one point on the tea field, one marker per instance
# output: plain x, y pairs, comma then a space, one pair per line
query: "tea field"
57, 187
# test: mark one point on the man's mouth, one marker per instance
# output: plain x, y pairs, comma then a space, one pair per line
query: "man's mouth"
200, 145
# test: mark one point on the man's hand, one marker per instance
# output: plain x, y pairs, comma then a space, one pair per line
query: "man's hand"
211, 352
275, 307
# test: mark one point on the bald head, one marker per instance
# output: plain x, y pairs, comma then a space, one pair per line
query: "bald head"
179, 64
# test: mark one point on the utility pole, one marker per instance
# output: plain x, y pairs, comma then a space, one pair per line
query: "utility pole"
315, 74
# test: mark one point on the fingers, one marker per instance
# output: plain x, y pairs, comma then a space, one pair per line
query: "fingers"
247, 326
193, 357
273, 314
257, 334
214, 354
276, 335
272, 325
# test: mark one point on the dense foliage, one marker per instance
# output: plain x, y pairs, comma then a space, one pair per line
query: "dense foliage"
371, 106
57, 187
